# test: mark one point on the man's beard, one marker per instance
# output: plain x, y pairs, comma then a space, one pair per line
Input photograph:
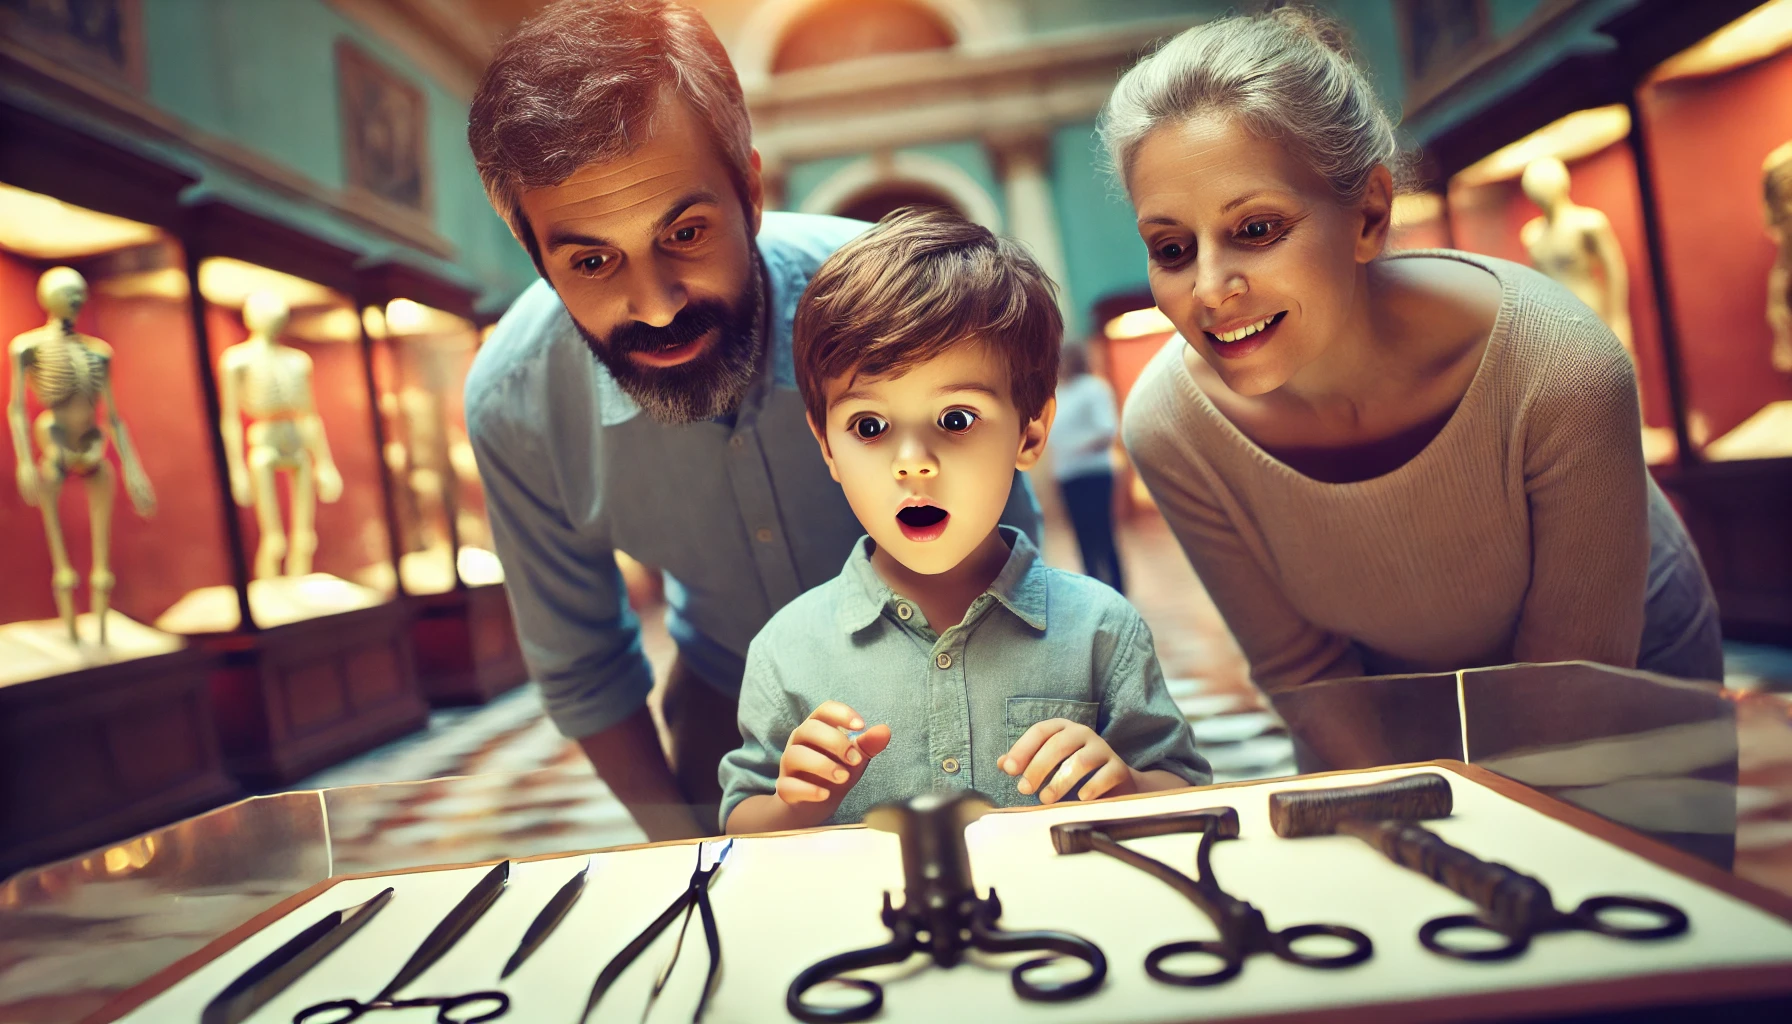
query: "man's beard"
705, 387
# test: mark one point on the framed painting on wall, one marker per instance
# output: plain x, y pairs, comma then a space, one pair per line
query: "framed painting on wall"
103, 38
1435, 37
384, 138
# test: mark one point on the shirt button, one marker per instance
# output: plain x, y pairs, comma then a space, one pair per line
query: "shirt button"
764, 535
904, 612
950, 765
944, 660
736, 441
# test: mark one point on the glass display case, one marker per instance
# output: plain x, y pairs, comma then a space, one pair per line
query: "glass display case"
317, 666
423, 340
105, 722
1590, 237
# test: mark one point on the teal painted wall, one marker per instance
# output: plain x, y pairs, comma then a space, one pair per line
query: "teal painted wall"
1102, 251
263, 75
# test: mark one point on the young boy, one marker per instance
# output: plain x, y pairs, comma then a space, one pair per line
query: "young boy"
926, 351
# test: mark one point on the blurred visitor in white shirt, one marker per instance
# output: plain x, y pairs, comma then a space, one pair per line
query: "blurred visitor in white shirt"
1082, 459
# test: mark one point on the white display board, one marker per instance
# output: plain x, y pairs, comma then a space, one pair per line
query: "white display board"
784, 902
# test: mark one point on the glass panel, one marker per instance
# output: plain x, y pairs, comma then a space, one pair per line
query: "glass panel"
423, 355
1719, 125
108, 427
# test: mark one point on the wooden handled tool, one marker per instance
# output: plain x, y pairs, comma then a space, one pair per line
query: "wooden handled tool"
1381, 814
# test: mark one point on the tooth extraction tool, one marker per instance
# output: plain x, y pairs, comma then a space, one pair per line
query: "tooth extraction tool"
941, 914
1513, 905
549, 919
1242, 928
459, 921
258, 985
694, 897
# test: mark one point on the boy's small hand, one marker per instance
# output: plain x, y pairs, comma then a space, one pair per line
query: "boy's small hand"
821, 763
1074, 751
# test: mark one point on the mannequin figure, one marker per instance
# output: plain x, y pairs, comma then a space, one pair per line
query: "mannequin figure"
1776, 179
71, 374
1575, 245
271, 384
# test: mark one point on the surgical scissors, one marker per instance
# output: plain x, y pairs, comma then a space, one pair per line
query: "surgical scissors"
694, 897
459, 920
1243, 930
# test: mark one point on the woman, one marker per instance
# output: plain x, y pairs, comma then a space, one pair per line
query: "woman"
1376, 463
1082, 462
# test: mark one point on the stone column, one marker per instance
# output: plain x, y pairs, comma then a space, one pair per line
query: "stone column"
1023, 163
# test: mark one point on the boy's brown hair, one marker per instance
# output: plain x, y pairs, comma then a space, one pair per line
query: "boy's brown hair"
919, 282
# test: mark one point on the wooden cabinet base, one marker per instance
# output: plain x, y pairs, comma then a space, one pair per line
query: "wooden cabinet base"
100, 754
300, 697
466, 646
1740, 517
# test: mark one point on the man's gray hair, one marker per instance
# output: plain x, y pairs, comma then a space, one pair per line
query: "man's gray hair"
581, 81
1287, 75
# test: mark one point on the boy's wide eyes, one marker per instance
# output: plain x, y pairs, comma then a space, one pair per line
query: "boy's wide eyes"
957, 420
869, 428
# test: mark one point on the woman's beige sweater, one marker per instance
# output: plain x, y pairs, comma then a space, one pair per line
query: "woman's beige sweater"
1520, 533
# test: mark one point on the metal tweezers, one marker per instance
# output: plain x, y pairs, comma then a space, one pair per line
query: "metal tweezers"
694, 897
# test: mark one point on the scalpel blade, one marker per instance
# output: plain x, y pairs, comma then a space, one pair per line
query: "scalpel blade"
257, 986
464, 915
548, 919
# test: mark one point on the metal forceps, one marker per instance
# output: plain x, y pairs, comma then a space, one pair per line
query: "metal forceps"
1243, 930
695, 897
1513, 905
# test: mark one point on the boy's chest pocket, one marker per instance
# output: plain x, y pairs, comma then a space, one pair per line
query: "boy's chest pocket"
1025, 712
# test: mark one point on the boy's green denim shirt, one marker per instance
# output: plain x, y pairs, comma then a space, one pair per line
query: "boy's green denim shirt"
1040, 643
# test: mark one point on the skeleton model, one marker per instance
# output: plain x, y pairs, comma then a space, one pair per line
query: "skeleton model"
271, 384
1776, 175
71, 374
1576, 246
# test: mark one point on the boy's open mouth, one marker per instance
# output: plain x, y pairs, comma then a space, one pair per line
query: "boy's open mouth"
923, 522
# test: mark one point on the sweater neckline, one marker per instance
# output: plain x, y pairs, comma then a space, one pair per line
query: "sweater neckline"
1477, 385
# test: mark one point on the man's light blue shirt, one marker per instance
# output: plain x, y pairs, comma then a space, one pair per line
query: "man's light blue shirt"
1039, 643
740, 513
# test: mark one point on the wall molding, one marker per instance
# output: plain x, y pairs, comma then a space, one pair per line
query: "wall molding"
870, 105
856, 178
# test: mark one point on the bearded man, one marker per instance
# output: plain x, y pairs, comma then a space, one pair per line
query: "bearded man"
640, 397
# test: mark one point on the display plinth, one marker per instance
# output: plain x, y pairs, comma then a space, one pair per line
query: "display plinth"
1737, 513
1765, 435
40, 648
295, 698
467, 650
101, 752
278, 601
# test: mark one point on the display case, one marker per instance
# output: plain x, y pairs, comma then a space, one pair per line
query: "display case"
1717, 118
423, 340
1590, 238
316, 666
105, 721
1672, 146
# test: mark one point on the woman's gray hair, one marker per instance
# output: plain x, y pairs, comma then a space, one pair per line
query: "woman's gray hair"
1287, 75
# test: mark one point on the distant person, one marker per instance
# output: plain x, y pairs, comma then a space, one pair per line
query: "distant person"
1082, 457
1377, 463
945, 657
640, 396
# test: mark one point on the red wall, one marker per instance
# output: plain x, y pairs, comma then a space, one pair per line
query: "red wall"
1707, 138
156, 385
351, 532
1487, 219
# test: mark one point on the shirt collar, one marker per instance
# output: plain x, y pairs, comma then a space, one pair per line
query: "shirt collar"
1020, 587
